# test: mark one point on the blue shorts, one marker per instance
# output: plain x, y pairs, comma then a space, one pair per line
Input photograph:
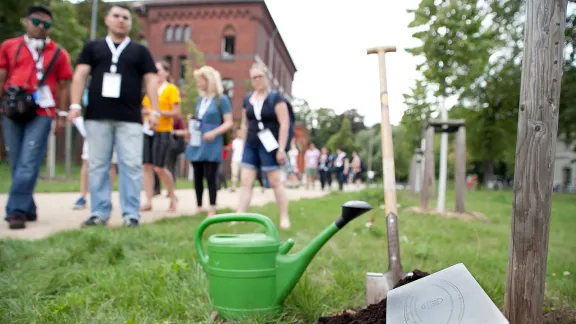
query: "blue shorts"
256, 157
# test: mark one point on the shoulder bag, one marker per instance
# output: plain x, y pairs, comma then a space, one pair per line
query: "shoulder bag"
18, 103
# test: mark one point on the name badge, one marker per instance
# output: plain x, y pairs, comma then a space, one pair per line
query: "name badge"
111, 85
268, 140
195, 133
43, 97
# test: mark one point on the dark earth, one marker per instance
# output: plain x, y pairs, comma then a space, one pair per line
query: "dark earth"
373, 314
376, 313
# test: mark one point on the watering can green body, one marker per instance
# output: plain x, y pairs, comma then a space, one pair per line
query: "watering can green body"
250, 275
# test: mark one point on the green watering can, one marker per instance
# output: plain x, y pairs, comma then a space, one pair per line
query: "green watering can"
250, 275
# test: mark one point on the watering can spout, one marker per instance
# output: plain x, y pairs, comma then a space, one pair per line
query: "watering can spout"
290, 267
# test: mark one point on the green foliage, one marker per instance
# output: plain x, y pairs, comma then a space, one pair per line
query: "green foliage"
344, 138
71, 28
189, 89
67, 31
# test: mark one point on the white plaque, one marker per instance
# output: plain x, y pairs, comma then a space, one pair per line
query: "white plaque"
449, 296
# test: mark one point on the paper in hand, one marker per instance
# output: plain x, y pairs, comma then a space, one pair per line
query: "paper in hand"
79, 123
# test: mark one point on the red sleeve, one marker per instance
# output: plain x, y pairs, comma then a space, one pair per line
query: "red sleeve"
64, 67
4, 59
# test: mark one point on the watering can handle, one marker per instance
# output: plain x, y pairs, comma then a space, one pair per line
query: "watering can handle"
232, 217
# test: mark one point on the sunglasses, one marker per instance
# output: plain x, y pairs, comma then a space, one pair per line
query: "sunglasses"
37, 22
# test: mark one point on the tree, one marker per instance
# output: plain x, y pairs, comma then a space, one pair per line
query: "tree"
344, 139
189, 89
11, 14
472, 50
67, 31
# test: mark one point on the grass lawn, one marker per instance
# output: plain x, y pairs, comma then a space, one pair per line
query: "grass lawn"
68, 185
150, 274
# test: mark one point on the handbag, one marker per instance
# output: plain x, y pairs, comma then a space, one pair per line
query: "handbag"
18, 103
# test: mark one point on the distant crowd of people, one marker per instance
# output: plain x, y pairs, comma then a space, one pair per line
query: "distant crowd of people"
128, 135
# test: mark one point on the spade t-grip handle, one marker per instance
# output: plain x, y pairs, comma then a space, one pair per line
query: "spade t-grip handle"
231, 217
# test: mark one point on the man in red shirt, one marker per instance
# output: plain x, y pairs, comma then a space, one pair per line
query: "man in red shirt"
23, 61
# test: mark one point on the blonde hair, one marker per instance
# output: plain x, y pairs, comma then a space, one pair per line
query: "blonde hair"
213, 79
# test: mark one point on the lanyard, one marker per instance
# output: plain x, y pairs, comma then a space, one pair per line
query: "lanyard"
38, 57
162, 87
204, 106
258, 105
116, 51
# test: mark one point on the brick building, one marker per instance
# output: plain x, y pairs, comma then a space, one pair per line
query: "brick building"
232, 34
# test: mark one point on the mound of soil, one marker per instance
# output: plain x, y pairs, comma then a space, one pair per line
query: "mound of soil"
373, 314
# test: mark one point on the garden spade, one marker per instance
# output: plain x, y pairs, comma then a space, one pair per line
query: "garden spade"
378, 284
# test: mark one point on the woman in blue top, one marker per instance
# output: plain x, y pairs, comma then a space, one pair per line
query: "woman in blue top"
265, 125
212, 118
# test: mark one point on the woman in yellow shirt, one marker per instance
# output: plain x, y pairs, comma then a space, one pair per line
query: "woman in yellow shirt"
158, 142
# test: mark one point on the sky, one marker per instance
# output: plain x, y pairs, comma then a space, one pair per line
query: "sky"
328, 41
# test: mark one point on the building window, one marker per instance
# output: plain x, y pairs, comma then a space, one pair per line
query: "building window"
168, 34
228, 42
182, 68
228, 86
178, 33
187, 32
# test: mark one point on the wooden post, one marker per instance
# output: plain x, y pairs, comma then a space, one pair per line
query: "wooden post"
535, 152
68, 150
51, 152
428, 168
412, 176
460, 172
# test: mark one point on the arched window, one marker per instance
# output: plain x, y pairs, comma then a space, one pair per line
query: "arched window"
228, 42
178, 33
168, 34
187, 32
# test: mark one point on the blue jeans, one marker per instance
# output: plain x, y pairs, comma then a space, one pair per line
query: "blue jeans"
256, 157
127, 138
26, 145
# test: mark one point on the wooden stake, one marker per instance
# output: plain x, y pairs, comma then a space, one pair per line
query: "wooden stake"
428, 168
460, 172
535, 151
412, 176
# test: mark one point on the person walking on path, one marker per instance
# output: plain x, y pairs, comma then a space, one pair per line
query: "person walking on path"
237, 150
311, 157
266, 122
356, 169
178, 146
213, 117
341, 167
113, 119
34, 74
157, 143
222, 168
325, 168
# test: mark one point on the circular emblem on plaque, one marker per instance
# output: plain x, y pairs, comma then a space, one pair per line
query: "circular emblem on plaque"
442, 303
